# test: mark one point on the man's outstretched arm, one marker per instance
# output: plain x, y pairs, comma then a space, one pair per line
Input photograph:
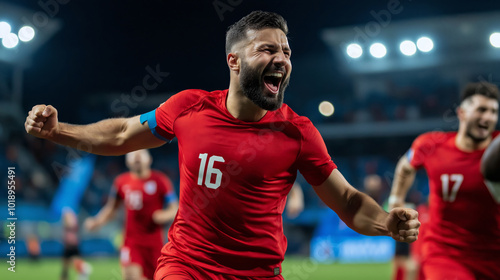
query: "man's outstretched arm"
404, 176
105, 215
167, 214
108, 137
361, 213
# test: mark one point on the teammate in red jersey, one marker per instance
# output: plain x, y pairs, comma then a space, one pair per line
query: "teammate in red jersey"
144, 192
462, 238
239, 152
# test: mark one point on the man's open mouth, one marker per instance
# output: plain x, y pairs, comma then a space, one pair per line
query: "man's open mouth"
483, 126
273, 81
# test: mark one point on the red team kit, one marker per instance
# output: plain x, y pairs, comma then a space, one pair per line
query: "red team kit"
231, 200
464, 217
143, 237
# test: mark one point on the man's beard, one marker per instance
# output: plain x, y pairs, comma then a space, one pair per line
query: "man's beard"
252, 86
475, 138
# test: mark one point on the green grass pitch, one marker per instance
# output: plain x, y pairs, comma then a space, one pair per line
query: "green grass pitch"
109, 269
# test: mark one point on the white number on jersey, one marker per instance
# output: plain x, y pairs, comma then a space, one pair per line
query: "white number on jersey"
133, 200
456, 179
210, 170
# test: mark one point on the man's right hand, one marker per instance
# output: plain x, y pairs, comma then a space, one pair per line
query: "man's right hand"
42, 121
90, 224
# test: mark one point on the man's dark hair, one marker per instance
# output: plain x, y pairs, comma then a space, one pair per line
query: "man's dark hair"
256, 20
483, 88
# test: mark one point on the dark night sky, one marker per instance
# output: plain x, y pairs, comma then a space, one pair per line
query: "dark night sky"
106, 45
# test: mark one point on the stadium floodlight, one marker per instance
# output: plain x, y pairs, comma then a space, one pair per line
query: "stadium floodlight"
354, 50
378, 50
12, 18
26, 33
10, 40
425, 44
495, 39
4, 29
408, 48
326, 108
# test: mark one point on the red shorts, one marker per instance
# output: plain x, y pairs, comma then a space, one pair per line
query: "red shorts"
455, 268
175, 269
144, 256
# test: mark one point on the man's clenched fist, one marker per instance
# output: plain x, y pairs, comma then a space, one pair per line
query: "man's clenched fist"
42, 121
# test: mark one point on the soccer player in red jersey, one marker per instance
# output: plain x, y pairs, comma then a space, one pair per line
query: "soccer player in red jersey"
462, 237
239, 153
144, 192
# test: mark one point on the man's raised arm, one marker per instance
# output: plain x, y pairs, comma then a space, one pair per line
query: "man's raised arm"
362, 214
404, 177
108, 137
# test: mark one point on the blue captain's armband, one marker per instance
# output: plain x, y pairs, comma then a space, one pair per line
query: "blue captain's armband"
409, 154
169, 198
150, 117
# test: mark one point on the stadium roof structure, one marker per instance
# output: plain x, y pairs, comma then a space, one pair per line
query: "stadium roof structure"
458, 40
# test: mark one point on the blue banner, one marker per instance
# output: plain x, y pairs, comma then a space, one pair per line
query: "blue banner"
334, 241
73, 184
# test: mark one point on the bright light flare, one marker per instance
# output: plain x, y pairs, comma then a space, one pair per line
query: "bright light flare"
425, 44
26, 33
495, 39
326, 108
4, 29
10, 40
408, 48
354, 51
378, 50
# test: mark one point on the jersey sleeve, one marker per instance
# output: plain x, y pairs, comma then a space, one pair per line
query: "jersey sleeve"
116, 191
167, 189
161, 121
314, 162
419, 149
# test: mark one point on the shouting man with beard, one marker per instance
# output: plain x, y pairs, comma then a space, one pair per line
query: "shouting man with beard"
239, 153
462, 237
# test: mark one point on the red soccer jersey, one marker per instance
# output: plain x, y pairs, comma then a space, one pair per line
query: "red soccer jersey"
464, 218
141, 198
235, 177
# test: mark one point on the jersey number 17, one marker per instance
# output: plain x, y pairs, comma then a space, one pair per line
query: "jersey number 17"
456, 180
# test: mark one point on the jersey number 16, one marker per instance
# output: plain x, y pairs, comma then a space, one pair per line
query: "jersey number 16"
210, 171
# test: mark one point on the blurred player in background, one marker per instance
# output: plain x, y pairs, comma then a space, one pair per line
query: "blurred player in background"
295, 201
373, 186
404, 265
462, 238
71, 254
145, 193
416, 254
239, 153
33, 247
